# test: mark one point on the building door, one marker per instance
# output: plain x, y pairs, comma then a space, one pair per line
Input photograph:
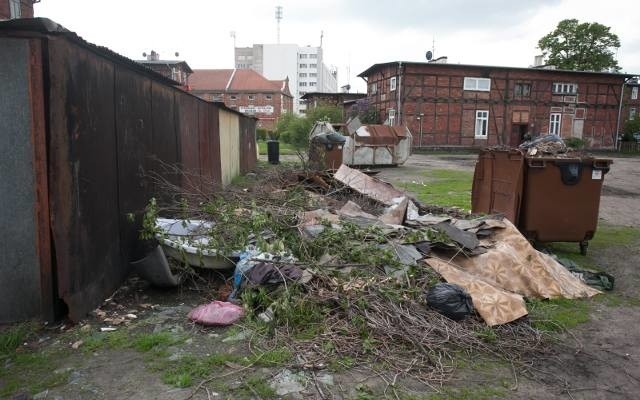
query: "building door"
518, 131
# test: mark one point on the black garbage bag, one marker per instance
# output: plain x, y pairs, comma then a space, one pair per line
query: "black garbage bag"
450, 300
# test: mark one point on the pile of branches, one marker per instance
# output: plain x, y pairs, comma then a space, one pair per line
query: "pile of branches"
360, 317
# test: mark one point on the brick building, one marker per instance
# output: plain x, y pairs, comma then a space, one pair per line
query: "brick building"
477, 106
178, 70
343, 100
10, 9
244, 90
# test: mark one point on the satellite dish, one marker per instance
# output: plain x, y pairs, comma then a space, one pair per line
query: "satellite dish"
144, 54
429, 55
177, 54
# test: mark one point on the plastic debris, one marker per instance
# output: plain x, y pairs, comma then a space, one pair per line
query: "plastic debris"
216, 313
450, 300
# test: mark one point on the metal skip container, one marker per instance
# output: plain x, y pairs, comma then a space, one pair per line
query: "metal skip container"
561, 198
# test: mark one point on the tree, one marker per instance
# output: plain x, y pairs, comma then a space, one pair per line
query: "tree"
581, 46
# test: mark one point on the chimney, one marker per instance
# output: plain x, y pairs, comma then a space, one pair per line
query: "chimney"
538, 60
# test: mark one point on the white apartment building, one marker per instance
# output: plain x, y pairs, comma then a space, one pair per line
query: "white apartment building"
304, 66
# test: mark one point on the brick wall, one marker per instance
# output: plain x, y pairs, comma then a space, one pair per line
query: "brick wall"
449, 111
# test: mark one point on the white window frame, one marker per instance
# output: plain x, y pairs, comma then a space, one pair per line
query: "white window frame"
303, 65
522, 93
312, 83
302, 84
313, 65
481, 129
374, 88
313, 74
391, 114
313, 56
15, 9
303, 56
392, 83
251, 96
564, 88
632, 113
302, 75
634, 93
477, 84
555, 123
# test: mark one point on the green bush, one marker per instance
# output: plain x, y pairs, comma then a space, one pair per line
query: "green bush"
575, 143
630, 127
294, 129
261, 134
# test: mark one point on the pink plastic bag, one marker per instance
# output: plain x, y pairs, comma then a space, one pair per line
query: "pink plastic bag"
216, 313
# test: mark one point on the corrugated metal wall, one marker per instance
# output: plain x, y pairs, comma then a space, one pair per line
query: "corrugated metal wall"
108, 127
229, 146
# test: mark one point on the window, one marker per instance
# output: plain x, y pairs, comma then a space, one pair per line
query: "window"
217, 97
564, 88
391, 116
252, 97
268, 96
302, 74
634, 93
302, 111
313, 65
233, 97
313, 75
312, 83
313, 56
522, 89
303, 56
482, 123
479, 84
14, 7
554, 124
632, 113
303, 84
392, 83
303, 65
373, 88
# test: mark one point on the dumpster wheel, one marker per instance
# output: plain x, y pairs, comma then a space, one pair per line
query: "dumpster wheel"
583, 247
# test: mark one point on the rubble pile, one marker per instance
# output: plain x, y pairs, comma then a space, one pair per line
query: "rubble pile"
341, 266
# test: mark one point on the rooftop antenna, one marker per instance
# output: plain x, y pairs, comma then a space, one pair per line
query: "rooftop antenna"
321, 37
433, 47
278, 19
233, 35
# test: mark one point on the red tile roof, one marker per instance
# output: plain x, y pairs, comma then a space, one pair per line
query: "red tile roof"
238, 80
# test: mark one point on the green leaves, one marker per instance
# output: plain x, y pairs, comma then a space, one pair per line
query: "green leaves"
587, 46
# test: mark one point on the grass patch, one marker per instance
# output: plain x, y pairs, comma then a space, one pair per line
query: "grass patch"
12, 337
285, 148
187, 369
150, 341
558, 314
467, 393
32, 372
443, 187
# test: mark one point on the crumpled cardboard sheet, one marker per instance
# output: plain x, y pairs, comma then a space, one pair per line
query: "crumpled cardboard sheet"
498, 279
371, 187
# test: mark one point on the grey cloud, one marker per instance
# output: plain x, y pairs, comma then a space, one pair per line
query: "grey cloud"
432, 15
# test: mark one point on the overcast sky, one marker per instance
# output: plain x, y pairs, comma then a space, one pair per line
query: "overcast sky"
357, 33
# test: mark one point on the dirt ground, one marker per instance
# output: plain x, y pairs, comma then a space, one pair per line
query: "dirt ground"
599, 359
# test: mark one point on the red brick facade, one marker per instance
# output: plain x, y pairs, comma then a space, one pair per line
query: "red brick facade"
517, 101
245, 91
26, 9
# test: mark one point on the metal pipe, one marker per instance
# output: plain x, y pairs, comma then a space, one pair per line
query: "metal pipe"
420, 118
619, 114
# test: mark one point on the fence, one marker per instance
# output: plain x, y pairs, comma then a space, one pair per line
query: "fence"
99, 124
630, 147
